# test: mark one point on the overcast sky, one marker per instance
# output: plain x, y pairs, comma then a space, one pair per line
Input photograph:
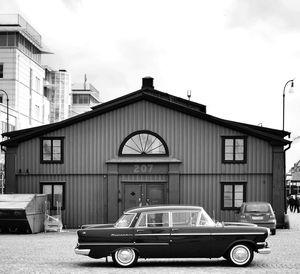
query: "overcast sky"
235, 56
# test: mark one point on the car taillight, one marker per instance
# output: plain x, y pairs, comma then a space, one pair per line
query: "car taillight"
272, 217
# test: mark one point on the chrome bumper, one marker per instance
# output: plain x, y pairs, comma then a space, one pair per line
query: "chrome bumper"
265, 250
85, 252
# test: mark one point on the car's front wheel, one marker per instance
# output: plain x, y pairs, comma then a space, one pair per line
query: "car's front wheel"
240, 255
125, 257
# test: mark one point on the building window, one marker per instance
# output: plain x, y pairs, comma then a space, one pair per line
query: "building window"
55, 193
233, 195
1, 70
234, 149
81, 99
37, 84
37, 112
143, 143
52, 150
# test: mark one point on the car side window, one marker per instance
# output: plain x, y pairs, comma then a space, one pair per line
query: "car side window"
160, 219
185, 218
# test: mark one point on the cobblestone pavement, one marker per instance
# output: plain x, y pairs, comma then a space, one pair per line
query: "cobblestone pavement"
54, 253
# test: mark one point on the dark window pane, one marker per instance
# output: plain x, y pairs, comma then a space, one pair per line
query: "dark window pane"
11, 39
3, 39
57, 195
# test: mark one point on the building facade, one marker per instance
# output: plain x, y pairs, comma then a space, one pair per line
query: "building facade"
57, 88
84, 97
21, 74
147, 147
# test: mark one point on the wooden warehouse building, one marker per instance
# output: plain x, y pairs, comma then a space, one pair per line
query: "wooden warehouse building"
147, 147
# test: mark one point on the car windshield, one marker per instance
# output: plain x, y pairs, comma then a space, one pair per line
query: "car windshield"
263, 208
205, 219
125, 220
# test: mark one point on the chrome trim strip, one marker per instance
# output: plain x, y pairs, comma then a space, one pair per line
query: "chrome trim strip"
126, 244
85, 252
152, 234
262, 243
218, 233
192, 234
238, 233
121, 235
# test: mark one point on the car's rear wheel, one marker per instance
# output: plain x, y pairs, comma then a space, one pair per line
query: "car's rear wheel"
125, 257
240, 255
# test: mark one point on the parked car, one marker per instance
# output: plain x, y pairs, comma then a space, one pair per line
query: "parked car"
259, 213
171, 232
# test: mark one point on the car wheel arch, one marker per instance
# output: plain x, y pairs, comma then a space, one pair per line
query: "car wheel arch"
244, 242
125, 246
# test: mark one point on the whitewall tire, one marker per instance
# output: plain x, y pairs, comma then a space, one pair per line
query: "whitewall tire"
124, 257
240, 255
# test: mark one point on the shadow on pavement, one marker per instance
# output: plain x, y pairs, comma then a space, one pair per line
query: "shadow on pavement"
162, 263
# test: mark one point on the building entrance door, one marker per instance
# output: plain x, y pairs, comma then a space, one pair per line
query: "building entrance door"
139, 194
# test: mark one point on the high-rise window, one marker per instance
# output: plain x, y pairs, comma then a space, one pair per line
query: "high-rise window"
82, 99
37, 84
1, 70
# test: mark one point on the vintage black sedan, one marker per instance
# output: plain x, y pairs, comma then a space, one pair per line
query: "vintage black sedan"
171, 231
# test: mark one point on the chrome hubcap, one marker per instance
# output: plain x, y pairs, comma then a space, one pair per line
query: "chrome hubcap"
125, 256
240, 254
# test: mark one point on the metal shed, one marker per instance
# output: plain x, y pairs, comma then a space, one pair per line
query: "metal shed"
22, 213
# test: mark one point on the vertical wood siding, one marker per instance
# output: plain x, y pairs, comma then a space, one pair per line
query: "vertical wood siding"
205, 190
195, 142
84, 200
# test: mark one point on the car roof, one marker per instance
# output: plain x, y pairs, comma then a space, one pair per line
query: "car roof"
162, 208
251, 203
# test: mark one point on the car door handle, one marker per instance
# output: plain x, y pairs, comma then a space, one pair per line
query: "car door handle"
175, 229
139, 230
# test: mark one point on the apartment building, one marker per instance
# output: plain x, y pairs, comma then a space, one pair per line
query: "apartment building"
22, 101
21, 74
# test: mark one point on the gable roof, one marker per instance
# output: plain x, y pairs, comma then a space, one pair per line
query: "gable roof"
275, 137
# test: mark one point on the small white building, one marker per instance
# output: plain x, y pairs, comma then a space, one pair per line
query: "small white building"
84, 97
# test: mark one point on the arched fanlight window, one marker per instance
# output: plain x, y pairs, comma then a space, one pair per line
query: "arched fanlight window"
143, 143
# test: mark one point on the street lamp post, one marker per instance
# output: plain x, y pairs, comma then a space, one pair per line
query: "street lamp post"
283, 99
7, 129
7, 114
283, 117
